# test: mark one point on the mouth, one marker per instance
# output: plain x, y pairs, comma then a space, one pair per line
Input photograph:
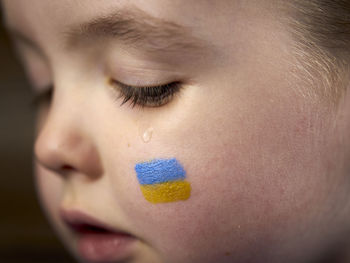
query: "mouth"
97, 241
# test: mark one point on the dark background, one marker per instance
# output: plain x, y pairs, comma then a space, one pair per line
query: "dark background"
25, 236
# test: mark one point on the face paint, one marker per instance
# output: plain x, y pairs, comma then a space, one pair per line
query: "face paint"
163, 180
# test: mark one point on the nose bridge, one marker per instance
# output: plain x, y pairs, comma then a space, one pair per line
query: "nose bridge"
65, 143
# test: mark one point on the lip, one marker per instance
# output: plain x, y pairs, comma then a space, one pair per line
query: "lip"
96, 240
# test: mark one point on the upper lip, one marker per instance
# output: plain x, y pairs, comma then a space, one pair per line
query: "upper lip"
81, 222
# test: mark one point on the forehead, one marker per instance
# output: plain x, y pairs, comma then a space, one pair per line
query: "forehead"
75, 10
41, 19
58, 14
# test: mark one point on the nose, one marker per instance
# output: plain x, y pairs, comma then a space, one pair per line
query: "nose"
65, 146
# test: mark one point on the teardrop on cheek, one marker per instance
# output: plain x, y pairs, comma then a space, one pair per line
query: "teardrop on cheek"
147, 135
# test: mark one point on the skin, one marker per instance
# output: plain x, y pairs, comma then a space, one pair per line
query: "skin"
267, 165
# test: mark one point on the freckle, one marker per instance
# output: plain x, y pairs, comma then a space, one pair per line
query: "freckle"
228, 254
129, 145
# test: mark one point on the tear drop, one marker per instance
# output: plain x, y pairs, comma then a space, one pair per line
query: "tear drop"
147, 135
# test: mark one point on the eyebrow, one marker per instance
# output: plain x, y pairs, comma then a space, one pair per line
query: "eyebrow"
136, 29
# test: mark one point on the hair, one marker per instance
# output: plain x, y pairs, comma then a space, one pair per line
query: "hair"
321, 29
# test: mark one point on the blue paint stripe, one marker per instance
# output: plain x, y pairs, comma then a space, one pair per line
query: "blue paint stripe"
159, 171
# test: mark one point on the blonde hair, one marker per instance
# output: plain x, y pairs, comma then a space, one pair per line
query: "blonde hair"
321, 29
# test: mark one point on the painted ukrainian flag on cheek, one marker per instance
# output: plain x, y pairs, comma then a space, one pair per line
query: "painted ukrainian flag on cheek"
163, 180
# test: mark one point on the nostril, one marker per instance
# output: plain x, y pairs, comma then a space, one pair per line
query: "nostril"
67, 167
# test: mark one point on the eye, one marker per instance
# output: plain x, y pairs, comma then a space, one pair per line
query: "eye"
42, 98
147, 96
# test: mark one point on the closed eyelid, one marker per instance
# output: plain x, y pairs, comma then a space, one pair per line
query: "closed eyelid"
145, 77
144, 69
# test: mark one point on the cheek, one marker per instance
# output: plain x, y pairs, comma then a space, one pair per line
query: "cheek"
253, 175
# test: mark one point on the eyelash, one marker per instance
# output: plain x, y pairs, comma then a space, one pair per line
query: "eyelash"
148, 96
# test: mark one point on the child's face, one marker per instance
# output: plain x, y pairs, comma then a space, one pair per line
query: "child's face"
265, 164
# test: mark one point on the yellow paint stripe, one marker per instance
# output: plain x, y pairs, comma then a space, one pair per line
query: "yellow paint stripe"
166, 192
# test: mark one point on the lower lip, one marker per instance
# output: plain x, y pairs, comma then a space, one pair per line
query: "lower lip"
105, 247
